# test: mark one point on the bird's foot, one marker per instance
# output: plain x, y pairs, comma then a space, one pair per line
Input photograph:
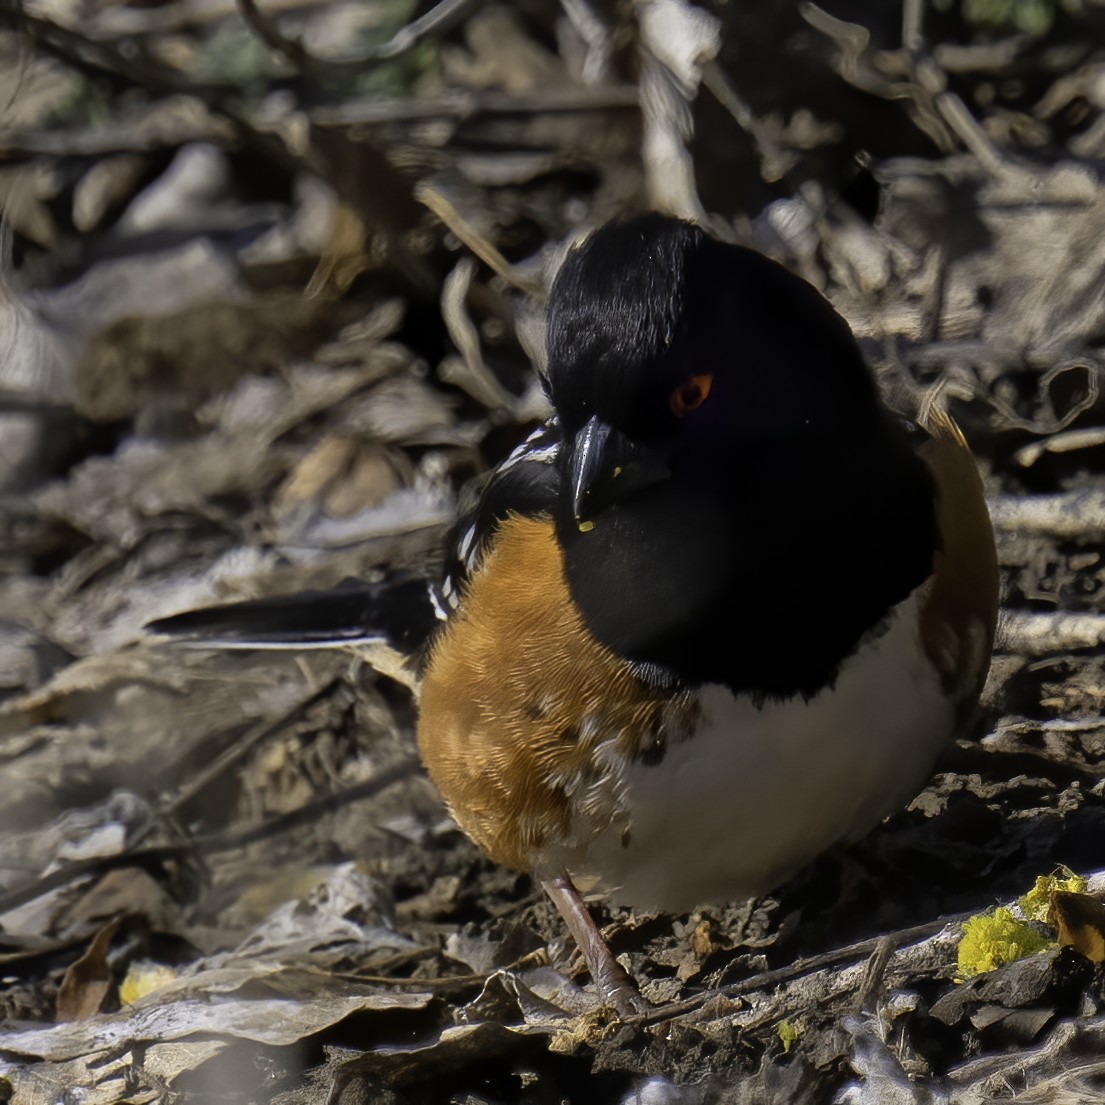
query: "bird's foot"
613, 982
619, 990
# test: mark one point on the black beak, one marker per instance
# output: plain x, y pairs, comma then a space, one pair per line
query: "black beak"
588, 462
605, 465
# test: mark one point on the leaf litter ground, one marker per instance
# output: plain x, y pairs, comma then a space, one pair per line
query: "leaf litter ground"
224, 876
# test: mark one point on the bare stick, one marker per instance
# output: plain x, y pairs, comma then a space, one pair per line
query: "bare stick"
291, 49
438, 18
1069, 441
1040, 634
212, 843
475, 241
1069, 514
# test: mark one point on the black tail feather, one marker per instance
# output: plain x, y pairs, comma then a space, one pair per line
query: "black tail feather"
397, 610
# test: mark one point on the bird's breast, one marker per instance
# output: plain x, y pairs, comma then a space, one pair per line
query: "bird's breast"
554, 756
759, 790
526, 722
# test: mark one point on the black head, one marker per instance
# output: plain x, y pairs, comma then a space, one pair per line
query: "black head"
716, 413
691, 348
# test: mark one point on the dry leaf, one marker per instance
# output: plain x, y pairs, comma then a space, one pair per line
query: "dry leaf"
1080, 922
702, 941
87, 981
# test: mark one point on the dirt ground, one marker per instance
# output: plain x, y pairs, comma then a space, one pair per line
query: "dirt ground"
273, 293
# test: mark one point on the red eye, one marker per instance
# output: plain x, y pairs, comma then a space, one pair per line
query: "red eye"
690, 394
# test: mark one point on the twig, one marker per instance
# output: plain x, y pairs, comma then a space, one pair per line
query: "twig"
1068, 442
475, 241
595, 35
1046, 725
676, 42
211, 843
103, 58
1070, 514
439, 18
979, 57
931, 79
291, 49
1066, 1067
384, 195
1040, 634
468, 371
465, 105
110, 139
240, 748
940, 113
1049, 420
913, 14
852, 953
874, 973
852, 41
873, 949
773, 159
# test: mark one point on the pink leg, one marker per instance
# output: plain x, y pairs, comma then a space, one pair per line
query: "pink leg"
614, 983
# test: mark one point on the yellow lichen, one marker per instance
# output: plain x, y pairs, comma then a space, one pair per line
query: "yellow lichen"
991, 940
1036, 904
788, 1033
143, 978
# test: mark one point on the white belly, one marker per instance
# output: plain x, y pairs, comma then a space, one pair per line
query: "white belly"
760, 791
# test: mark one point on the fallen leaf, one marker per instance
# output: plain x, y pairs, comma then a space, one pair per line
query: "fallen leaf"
702, 941
275, 1022
1079, 921
86, 982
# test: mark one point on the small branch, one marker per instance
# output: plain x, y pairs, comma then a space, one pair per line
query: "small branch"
1060, 725
291, 49
1070, 514
913, 16
1043, 634
465, 105
468, 371
475, 241
884, 945
106, 141
925, 83
981, 57
438, 19
774, 161
1068, 442
932, 80
852, 40
211, 843
676, 41
240, 748
105, 59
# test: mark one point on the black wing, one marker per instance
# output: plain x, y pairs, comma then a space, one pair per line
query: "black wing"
401, 611
396, 611
526, 483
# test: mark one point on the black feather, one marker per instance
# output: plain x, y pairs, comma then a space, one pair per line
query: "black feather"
527, 483
396, 610
755, 541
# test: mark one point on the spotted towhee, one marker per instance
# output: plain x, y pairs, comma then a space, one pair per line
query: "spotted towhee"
719, 613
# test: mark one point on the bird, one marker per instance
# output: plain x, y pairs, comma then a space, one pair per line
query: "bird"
719, 613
